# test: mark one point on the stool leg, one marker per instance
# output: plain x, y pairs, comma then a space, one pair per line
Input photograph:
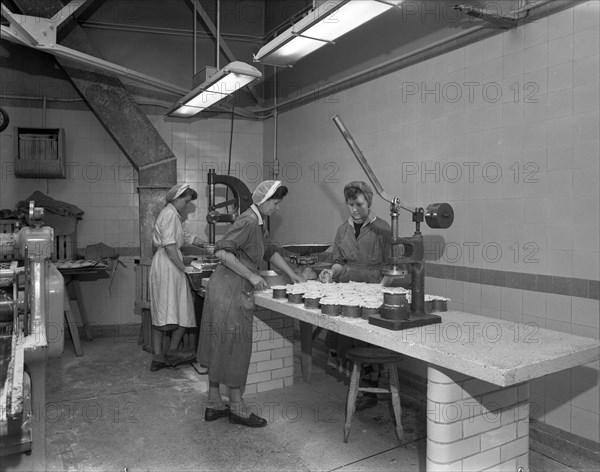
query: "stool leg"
351, 402
395, 391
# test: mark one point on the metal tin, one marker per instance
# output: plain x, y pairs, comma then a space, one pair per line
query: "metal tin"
440, 305
311, 303
366, 312
351, 311
331, 310
279, 292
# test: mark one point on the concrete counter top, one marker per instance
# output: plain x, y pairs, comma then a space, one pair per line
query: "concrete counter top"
501, 352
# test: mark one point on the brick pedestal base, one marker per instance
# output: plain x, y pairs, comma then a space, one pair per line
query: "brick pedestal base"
473, 425
272, 361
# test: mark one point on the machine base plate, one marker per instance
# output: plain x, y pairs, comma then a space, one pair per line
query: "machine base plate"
412, 322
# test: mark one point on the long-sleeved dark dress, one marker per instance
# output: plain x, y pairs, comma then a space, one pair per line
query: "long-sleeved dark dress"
226, 327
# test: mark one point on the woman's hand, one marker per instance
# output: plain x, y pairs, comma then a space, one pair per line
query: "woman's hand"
258, 282
326, 276
297, 278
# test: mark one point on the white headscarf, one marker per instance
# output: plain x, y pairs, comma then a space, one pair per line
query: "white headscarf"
175, 191
264, 191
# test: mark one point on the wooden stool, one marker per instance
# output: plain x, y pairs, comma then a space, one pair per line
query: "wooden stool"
72, 324
371, 355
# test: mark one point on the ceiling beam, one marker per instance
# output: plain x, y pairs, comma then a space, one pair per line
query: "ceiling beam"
68, 11
95, 62
13, 35
22, 26
123, 120
203, 14
40, 33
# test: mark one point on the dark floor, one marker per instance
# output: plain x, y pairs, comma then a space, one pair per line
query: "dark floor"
107, 411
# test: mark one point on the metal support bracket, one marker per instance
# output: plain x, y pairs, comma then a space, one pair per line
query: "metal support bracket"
36, 31
293, 33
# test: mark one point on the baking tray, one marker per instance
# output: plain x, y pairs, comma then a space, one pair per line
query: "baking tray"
306, 249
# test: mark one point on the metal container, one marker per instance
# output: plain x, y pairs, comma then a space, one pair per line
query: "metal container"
440, 305
331, 310
366, 312
395, 312
351, 311
394, 298
312, 303
273, 277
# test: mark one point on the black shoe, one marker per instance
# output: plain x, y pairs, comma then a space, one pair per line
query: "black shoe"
253, 421
212, 414
156, 365
179, 358
365, 401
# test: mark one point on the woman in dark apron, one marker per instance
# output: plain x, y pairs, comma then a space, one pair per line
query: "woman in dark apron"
226, 328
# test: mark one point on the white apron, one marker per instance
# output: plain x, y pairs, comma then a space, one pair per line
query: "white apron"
171, 300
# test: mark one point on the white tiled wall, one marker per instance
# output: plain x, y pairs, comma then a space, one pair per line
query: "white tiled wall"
529, 134
101, 181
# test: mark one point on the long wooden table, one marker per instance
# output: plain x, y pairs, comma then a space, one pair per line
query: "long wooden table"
471, 358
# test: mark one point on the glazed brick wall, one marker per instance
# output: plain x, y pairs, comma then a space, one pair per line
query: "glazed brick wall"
473, 425
272, 361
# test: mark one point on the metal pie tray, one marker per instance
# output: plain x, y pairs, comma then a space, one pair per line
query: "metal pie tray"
78, 264
204, 266
306, 249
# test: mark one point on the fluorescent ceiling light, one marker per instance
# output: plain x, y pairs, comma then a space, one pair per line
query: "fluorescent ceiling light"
323, 25
218, 86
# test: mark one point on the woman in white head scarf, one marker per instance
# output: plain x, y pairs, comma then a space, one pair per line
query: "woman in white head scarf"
226, 327
171, 300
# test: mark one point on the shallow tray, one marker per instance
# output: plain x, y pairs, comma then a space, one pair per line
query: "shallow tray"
306, 249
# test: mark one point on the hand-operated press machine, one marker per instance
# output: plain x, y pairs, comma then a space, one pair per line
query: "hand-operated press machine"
436, 215
241, 201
